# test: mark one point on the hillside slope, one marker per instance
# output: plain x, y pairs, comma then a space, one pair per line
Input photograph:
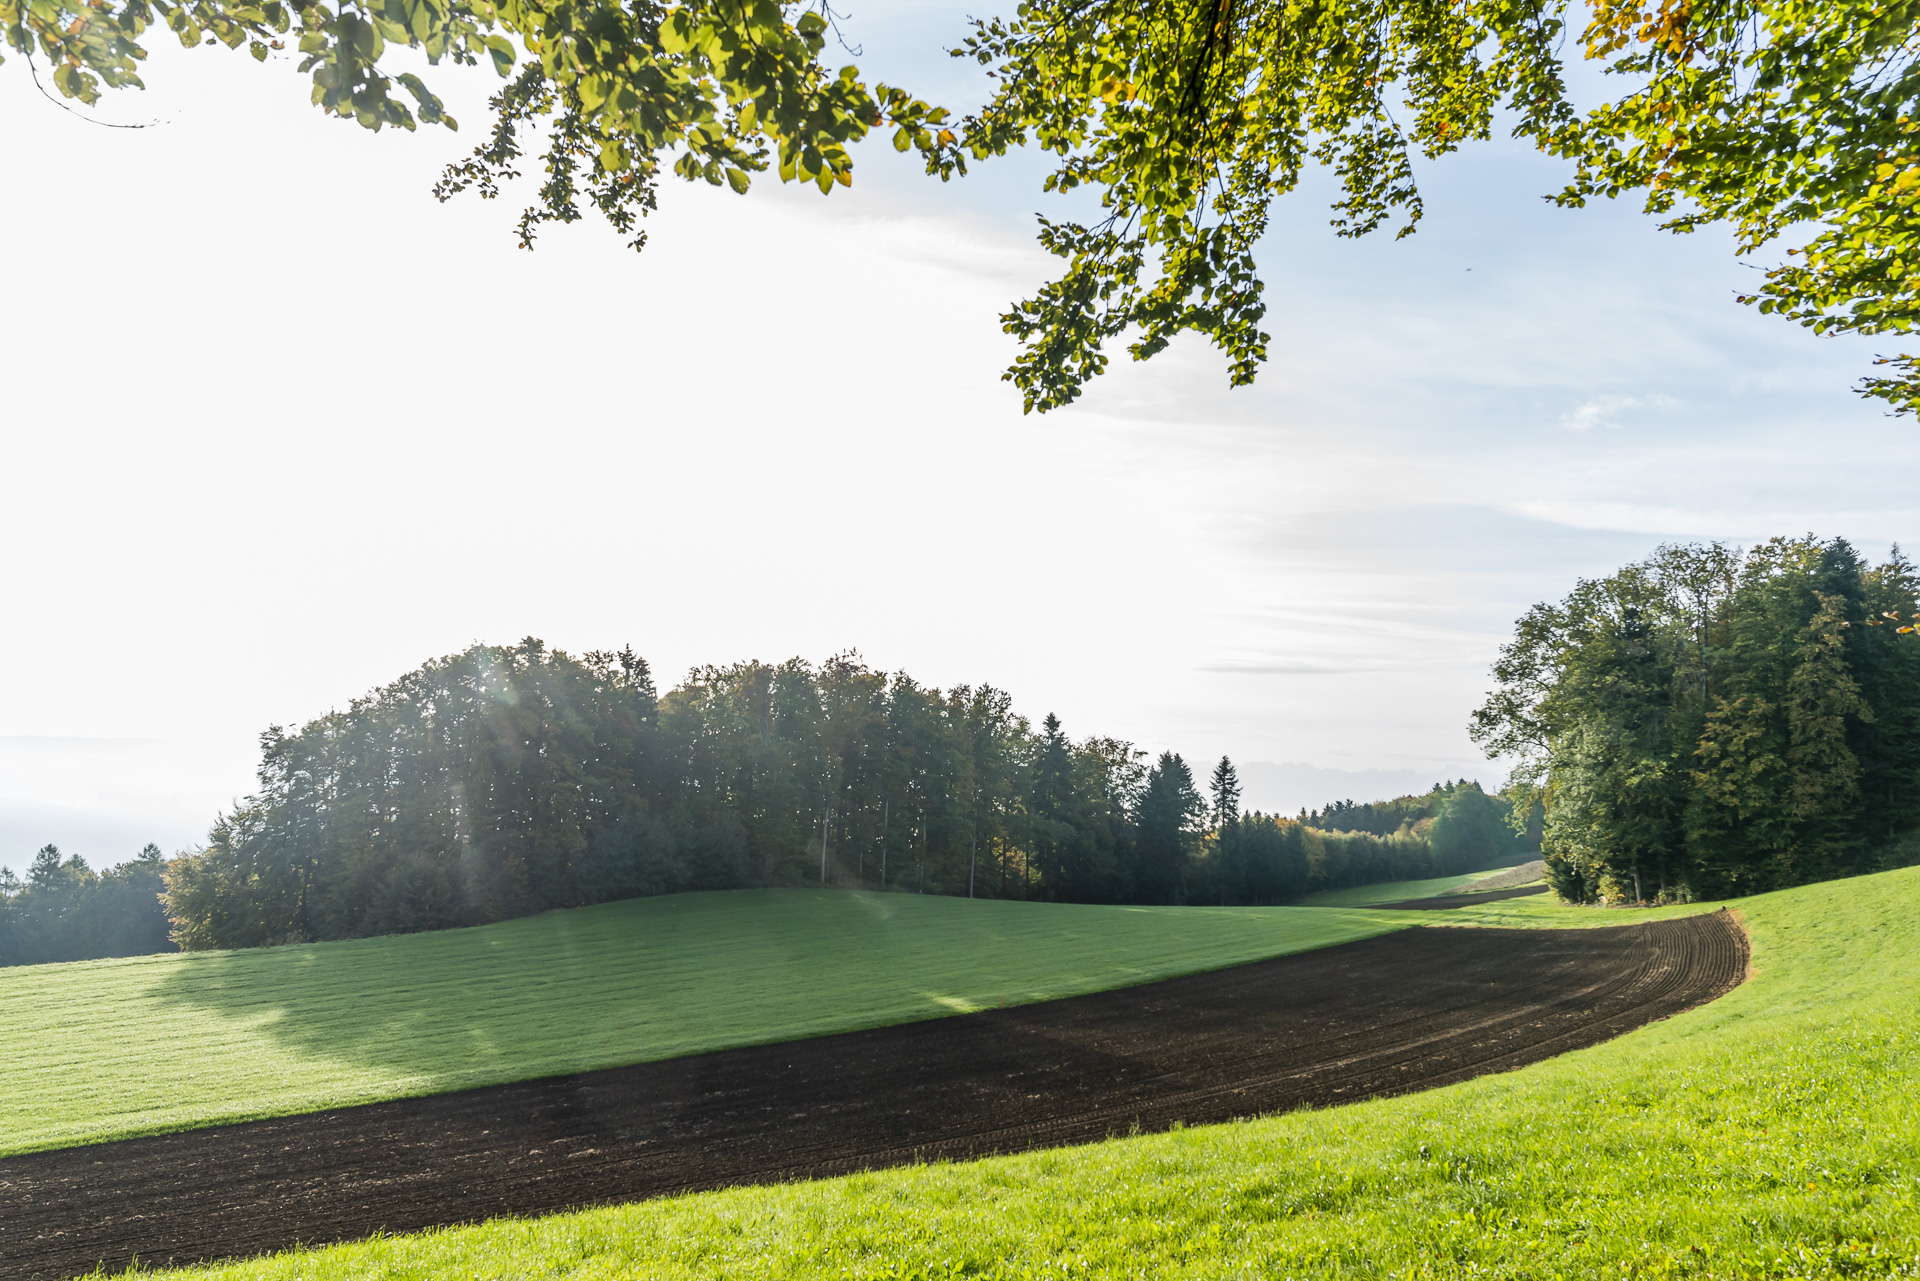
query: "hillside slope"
1769, 1134
1395, 891
96, 1050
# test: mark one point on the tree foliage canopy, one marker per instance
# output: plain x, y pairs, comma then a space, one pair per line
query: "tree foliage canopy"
1186, 117
508, 780
1710, 723
65, 911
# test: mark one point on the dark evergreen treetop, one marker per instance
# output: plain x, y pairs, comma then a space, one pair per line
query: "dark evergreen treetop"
1224, 786
66, 911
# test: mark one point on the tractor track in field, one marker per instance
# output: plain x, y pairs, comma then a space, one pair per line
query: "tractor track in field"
1399, 1012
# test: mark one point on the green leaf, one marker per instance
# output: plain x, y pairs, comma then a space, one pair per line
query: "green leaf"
676, 33
501, 50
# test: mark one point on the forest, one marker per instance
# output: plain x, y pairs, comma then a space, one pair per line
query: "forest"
1707, 723
1713, 722
509, 780
65, 911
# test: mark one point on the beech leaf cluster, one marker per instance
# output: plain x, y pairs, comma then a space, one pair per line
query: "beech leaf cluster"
1792, 121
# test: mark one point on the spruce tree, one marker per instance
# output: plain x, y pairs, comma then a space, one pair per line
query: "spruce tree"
1170, 808
1225, 785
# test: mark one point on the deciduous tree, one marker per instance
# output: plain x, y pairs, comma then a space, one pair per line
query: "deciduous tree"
1703, 723
1185, 118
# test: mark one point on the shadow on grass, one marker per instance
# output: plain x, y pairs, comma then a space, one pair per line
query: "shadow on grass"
656, 978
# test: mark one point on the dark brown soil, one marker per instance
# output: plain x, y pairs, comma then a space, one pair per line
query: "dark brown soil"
1444, 901
1401, 1012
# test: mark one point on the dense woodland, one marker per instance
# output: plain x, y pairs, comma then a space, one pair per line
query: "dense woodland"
510, 780
1711, 722
65, 911
1706, 723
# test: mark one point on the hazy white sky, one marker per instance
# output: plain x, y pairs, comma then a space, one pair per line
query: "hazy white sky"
279, 427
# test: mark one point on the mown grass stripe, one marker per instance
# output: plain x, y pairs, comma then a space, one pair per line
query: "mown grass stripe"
109, 1049
1770, 1134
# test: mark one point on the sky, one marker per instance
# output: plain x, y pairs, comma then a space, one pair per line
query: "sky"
279, 427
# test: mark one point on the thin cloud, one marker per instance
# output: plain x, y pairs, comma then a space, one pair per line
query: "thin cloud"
1277, 667
1605, 411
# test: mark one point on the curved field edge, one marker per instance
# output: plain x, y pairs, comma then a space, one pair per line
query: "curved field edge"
1396, 891
1549, 913
1767, 1134
101, 1050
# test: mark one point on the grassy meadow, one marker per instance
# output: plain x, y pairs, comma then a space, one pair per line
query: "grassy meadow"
1770, 1134
1398, 891
96, 1050
1546, 912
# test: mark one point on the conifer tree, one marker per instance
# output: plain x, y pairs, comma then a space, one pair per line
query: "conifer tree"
1225, 787
1170, 808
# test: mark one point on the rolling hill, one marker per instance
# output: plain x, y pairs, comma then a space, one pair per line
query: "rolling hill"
98, 1050
1768, 1134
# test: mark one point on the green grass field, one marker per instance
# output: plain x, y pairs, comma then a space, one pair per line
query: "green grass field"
1773, 1133
107, 1049
1396, 891
1546, 912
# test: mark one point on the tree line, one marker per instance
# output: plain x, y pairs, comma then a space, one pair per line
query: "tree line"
1706, 723
509, 780
1714, 722
65, 911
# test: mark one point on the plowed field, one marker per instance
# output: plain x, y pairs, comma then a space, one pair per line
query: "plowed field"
1404, 1011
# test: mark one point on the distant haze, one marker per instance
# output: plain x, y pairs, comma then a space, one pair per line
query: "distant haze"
1320, 567
104, 798
1288, 788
